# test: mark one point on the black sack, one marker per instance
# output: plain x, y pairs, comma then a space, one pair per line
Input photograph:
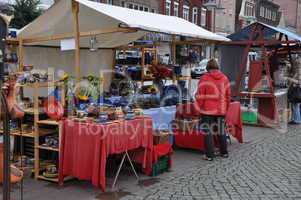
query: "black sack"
294, 94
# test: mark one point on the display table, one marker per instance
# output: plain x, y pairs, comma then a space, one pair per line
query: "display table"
196, 139
85, 147
162, 116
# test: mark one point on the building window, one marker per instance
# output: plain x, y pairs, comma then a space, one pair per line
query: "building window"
186, 12
153, 10
268, 14
274, 16
195, 15
167, 7
249, 9
203, 17
176, 9
130, 6
262, 11
135, 6
110, 2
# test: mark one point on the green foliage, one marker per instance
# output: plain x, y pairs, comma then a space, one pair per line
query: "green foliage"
24, 12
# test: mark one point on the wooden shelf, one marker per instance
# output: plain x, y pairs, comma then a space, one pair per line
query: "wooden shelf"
48, 122
48, 148
45, 131
40, 85
28, 134
184, 78
11, 62
15, 132
56, 180
31, 111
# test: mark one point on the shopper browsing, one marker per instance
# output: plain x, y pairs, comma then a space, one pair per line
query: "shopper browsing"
294, 93
212, 100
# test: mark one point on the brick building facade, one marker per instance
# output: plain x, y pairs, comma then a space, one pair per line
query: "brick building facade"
291, 10
147, 6
264, 11
191, 10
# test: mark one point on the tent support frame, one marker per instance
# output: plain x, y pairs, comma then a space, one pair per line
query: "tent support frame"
75, 11
71, 35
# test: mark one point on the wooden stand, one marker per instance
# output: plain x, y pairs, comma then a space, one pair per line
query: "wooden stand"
38, 131
267, 100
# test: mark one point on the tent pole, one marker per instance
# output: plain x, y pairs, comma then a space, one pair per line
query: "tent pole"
75, 10
21, 55
173, 55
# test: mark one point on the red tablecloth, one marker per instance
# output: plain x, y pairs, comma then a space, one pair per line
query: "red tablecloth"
234, 121
191, 140
85, 146
195, 139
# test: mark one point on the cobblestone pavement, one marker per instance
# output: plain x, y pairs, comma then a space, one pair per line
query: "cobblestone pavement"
266, 166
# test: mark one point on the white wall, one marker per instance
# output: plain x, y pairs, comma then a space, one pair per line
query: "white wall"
54, 59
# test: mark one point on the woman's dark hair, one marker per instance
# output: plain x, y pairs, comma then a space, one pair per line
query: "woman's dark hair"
212, 64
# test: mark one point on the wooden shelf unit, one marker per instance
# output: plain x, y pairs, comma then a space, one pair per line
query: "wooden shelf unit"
48, 122
41, 177
144, 78
143, 50
42, 131
39, 131
48, 148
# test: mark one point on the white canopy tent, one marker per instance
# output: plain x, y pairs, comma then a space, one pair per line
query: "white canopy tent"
94, 17
111, 25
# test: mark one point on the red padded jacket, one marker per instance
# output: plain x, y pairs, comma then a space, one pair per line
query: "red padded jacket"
214, 94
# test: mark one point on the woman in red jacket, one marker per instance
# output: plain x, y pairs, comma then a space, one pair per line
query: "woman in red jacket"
212, 100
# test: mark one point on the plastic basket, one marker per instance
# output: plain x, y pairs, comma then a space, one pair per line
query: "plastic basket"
161, 166
249, 117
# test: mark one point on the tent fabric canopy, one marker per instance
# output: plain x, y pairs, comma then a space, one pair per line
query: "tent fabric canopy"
268, 31
93, 16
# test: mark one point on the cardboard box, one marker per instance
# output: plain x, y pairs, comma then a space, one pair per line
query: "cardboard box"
161, 137
186, 125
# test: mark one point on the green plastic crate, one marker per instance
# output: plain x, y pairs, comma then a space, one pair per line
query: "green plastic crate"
249, 117
161, 166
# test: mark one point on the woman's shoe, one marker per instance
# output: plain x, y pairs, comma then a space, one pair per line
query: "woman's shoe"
207, 158
293, 123
225, 155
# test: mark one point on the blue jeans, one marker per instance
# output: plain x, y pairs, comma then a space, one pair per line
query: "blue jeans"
296, 116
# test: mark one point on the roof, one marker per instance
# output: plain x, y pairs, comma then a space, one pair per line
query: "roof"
269, 32
96, 16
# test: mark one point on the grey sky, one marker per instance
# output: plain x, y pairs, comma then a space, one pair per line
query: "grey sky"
48, 2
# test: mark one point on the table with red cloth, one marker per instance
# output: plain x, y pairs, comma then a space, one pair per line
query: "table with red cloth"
85, 146
196, 139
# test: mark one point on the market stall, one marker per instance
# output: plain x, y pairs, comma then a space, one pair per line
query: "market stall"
79, 25
259, 82
186, 128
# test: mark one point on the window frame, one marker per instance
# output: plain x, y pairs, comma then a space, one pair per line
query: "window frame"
203, 17
176, 6
186, 12
168, 7
195, 15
